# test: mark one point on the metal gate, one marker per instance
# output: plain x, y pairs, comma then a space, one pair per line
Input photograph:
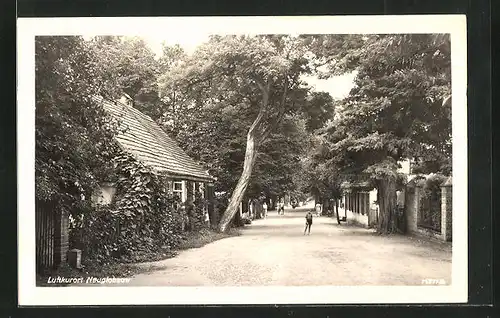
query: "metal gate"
429, 215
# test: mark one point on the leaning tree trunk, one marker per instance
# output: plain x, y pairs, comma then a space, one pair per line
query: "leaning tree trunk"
387, 203
257, 133
241, 186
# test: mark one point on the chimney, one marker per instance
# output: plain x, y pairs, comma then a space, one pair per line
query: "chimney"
127, 100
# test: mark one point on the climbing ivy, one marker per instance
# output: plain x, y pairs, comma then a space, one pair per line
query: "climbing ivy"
143, 217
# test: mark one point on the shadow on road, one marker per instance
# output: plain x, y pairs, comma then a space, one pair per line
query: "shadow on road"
266, 227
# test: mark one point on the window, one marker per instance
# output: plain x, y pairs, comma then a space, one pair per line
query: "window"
178, 189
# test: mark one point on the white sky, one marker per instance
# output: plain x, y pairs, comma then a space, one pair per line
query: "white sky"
338, 86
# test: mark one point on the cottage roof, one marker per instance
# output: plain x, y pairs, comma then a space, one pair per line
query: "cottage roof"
356, 185
145, 140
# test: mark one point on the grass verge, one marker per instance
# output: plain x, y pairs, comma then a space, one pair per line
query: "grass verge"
121, 269
204, 237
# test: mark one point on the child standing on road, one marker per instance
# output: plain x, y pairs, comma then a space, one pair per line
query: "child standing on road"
309, 222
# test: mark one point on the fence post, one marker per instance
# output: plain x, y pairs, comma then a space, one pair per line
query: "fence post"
61, 238
412, 205
446, 209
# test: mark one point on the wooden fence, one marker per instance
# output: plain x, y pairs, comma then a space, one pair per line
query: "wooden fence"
51, 232
45, 235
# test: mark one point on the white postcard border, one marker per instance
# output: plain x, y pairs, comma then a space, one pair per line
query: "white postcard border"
29, 294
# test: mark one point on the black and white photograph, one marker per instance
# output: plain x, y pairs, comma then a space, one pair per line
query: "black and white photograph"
242, 160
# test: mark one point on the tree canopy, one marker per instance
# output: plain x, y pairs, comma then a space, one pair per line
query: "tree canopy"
74, 137
127, 65
395, 110
244, 91
240, 106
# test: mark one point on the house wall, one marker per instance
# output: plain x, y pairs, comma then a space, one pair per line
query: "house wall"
357, 208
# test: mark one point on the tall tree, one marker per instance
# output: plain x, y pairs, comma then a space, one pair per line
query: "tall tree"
128, 65
246, 73
396, 110
74, 137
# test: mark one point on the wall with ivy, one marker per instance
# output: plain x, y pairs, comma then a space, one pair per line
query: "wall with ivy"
144, 217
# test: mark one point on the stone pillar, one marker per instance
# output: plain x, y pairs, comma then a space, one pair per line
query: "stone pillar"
446, 209
418, 195
412, 206
61, 238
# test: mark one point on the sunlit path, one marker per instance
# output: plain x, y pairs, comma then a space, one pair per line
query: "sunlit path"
275, 251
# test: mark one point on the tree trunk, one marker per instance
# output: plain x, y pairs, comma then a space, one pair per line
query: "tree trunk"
257, 133
337, 210
239, 191
387, 202
237, 220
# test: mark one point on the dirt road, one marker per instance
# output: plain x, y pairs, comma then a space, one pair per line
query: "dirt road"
275, 252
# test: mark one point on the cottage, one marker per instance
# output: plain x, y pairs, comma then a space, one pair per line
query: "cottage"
360, 198
149, 144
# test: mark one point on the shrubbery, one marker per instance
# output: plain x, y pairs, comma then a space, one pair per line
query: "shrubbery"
144, 218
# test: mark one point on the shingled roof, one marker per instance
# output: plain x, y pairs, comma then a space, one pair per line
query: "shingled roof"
145, 140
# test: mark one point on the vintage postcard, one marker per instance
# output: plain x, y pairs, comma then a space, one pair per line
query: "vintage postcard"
242, 160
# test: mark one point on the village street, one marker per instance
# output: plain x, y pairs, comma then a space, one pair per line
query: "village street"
275, 252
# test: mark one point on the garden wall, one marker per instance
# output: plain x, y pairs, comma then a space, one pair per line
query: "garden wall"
418, 221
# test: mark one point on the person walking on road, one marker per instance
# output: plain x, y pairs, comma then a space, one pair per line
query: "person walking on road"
264, 207
318, 209
309, 222
280, 207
